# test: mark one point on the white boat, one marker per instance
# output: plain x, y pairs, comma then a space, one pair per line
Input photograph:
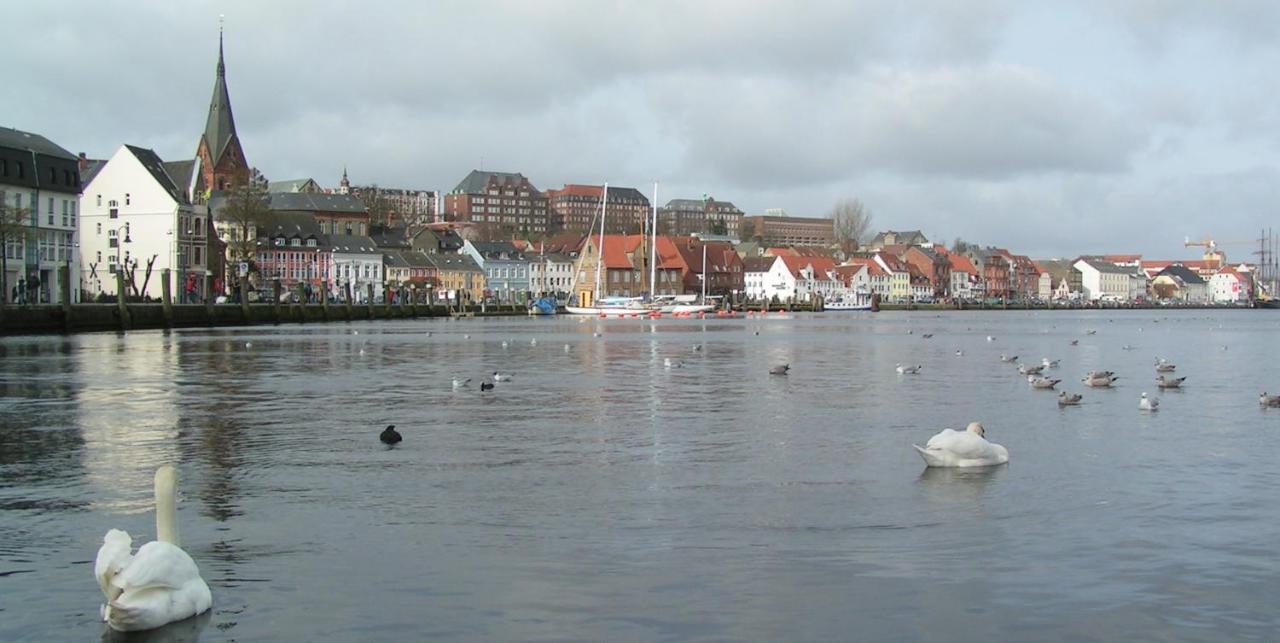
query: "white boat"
680, 304
612, 306
860, 303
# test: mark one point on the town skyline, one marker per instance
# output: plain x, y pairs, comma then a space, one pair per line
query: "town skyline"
1100, 142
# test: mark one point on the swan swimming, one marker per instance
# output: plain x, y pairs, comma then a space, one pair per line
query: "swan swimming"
968, 448
158, 585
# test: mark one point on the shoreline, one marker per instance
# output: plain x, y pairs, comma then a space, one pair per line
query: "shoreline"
45, 319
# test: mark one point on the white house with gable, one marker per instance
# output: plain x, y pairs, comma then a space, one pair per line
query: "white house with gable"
356, 261
136, 217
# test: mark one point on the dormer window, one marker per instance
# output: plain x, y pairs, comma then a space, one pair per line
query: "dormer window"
311, 243
279, 241
295, 242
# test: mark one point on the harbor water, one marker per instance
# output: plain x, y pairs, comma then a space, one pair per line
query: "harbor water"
602, 495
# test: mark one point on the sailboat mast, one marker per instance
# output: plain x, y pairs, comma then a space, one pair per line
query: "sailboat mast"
653, 258
704, 272
604, 209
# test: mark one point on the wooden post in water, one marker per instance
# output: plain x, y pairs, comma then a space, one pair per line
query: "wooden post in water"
244, 298
301, 291
209, 297
121, 305
369, 302
66, 297
166, 297
275, 299
348, 287
324, 301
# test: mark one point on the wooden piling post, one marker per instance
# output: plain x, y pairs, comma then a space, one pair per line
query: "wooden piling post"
166, 297
121, 305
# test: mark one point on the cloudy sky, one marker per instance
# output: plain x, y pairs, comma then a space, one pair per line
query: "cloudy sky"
1113, 126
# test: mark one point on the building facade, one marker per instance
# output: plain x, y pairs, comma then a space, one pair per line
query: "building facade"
787, 231
574, 208
500, 203
137, 220
684, 217
40, 190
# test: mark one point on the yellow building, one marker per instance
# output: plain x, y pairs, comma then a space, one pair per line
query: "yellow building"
458, 275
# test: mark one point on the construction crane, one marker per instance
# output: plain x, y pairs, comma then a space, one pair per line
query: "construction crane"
1210, 244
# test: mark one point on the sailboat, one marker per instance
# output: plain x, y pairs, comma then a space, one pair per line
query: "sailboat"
604, 305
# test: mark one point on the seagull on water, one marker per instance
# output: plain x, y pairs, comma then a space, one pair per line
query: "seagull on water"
670, 363
501, 377
1148, 404
909, 370
1169, 382
459, 383
1069, 399
781, 369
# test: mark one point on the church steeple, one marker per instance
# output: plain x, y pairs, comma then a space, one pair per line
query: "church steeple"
221, 125
222, 162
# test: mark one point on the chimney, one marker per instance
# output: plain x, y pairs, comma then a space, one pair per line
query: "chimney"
83, 162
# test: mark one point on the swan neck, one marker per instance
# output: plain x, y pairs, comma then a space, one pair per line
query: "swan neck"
167, 505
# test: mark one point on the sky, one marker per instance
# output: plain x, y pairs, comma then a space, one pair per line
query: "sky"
1053, 129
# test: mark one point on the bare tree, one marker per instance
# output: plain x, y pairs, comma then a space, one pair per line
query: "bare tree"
15, 227
747, 230
850, 222
248, 206
381, 209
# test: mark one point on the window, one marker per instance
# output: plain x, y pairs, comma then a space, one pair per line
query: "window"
50, 209
126, 198
4, 167
99, 200
53, 176
65, 209
99, 257
73, 214
114, 213
198, 229
21, 172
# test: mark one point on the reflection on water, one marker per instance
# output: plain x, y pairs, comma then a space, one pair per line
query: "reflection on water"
601, 495
185, 631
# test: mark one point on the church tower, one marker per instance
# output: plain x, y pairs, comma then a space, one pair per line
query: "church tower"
221, 160
344, 186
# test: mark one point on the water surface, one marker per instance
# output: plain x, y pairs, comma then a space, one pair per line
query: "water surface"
602, 496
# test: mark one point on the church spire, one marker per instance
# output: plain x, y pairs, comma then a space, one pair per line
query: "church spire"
220, 128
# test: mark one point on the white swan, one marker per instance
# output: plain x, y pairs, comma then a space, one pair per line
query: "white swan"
160, 584
968, 448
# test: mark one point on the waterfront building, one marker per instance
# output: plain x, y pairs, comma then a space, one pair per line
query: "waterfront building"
136, 218
506, 269
993, 268
40, 183
783, 230
423, 277
574, 207
356, 262
550, 274
1103, 280
684, 217
395, 269
964, 283
755, 272
291, 248
460, 278
499, 203
934, 265
683, 255
899, 276
879, 279
801, 279
1230, 285
856, 279
623, 266
1179, 283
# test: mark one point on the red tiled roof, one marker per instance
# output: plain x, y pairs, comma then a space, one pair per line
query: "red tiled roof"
961, 263
821, 265
594, 191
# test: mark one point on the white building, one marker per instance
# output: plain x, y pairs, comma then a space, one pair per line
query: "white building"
356, 261
1230, 286
1103, 279
800, 279
550, 273
135, 216
40, 185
